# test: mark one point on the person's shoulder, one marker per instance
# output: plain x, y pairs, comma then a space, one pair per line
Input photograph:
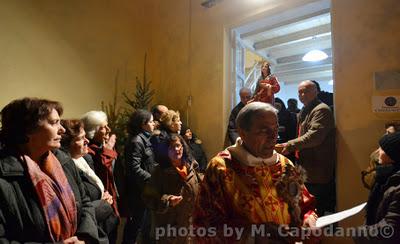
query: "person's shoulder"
394, 180
322, 105
237, 108
135, 139
322, 108
62, 156
10, 165
89, 160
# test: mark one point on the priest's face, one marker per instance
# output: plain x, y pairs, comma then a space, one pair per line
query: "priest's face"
261, 138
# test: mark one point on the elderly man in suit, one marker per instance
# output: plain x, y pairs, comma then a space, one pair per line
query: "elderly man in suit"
315, 146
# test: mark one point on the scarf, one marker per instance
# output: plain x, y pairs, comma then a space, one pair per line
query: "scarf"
81, 164
55, 196
247, 159
183, 172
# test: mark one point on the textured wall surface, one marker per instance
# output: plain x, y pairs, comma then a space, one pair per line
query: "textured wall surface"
365, 39
70, 50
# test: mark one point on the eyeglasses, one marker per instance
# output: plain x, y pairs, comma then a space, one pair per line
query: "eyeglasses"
176, 146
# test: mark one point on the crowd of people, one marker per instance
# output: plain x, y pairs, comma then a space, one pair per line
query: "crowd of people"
58, 177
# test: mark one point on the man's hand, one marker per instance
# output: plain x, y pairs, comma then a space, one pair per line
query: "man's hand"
283, 148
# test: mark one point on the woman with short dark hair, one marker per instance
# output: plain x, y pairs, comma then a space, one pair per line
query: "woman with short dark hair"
43, 198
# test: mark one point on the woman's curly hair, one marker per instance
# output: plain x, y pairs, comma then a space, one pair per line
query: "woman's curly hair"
168, 118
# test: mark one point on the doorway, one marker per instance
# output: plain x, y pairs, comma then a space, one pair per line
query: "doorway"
283, 40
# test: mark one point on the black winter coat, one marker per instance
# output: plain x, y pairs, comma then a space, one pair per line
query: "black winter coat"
107, 220
139, 163
91, 187
21, 216
198, 154
383, 208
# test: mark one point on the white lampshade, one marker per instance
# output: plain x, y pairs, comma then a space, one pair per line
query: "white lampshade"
315, 55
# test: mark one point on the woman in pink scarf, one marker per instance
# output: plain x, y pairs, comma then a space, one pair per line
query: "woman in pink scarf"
43, 199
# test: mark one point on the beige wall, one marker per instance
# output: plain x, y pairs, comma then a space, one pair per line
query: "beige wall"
70, 50
366, 38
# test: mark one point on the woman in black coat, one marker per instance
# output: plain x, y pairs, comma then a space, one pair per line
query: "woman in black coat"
383, 208
42, 196
139, 164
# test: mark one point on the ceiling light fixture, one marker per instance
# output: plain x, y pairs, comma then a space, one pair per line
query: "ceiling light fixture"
315, 55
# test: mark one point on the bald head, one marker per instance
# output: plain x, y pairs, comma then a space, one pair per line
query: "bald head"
245, 95
307, 92
158, 110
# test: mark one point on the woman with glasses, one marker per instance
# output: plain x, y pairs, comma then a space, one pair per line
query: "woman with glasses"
170, 122
171, 192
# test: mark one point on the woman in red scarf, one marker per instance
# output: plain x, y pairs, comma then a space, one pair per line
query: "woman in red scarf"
101, 148
43, 199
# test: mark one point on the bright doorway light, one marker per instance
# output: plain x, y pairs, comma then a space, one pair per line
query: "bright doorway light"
315, 55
